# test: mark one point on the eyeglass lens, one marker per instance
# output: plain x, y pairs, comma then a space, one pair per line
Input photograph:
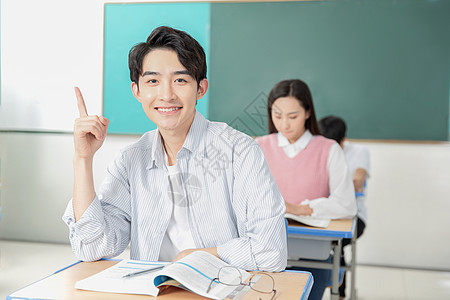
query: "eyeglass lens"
259, 282
262, 283
230, 276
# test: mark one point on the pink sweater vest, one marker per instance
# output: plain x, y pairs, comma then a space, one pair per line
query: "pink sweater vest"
305, 176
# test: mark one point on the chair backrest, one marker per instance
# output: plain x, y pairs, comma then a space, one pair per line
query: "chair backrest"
286, 224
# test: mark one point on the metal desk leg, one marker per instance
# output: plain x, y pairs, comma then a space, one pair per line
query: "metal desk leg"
353, 265
337, 249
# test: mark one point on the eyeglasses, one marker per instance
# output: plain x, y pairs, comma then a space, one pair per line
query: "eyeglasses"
259, 282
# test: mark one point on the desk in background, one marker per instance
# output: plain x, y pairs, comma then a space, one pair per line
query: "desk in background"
316, 243
61, 285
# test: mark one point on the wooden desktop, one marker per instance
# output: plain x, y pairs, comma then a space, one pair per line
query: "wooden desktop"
60, 285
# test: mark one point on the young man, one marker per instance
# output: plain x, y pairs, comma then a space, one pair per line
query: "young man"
357, 157
189, 185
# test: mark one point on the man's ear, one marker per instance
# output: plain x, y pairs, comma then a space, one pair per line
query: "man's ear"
202, 88
135, 90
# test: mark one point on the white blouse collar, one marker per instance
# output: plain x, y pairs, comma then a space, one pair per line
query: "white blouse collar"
301, 143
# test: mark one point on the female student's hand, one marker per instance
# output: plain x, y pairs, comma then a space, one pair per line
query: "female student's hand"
299, 210
89, 131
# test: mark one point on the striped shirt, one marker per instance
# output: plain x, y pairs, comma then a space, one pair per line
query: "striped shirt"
233, 202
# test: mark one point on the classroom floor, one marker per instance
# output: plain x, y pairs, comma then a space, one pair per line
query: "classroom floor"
22, 263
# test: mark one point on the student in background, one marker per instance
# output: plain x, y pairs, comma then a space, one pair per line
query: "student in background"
188, 185
357, 157
310, 170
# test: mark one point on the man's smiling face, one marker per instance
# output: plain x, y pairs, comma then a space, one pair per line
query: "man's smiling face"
167, 92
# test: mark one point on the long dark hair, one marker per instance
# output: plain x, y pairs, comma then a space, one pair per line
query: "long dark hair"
300, 91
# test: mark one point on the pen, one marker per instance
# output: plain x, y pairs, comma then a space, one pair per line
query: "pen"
143, 271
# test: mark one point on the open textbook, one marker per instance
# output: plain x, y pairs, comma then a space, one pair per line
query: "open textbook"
308, 220
193, 272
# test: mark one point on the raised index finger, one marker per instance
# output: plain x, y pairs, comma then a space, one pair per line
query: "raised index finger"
80, 103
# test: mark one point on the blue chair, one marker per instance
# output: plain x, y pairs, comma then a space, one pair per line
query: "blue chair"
286, 224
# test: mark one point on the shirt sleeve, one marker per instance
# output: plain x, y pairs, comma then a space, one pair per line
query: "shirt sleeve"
362, 159
260, 210
104, 228
341, 202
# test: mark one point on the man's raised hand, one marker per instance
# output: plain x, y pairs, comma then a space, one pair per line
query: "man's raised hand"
89, 131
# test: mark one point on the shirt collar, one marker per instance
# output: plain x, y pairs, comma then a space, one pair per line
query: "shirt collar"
191, 143
301, 143
157, 156
196, 132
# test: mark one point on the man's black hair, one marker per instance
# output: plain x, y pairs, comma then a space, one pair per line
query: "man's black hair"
190, 53
333, 127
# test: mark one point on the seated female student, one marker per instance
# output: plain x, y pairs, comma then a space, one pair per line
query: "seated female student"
309, 169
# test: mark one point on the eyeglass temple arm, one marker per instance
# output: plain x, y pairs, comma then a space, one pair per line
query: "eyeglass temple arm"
210, 284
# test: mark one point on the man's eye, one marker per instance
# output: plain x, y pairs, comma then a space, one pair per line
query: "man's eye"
180, 80
152, 81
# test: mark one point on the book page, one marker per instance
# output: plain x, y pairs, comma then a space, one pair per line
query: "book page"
111, 280
308, 220
193, 272
196, 271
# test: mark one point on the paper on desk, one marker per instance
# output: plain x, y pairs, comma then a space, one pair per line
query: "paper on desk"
111, 280
308, 220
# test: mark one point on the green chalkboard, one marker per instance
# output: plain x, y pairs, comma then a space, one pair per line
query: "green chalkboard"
384, 66
129, 24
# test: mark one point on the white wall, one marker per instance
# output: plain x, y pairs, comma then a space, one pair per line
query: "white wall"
36, 182
408, 198
49, 47
408, 206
